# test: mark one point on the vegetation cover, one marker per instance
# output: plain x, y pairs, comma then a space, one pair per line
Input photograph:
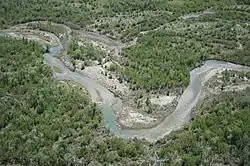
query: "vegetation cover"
219, 134
171, 46
84, 52
44, 122
49, 123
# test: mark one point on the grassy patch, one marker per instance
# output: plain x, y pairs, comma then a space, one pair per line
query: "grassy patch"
57, 69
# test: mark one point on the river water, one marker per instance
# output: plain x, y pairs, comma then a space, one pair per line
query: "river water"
109, 103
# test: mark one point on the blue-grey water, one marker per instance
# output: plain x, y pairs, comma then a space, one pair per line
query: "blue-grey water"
111, 104
179, 117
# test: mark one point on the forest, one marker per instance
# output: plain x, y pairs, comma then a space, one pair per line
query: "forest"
168, 53
85, 52
50, 123
162, 59
218, 134
122, 18
46, 122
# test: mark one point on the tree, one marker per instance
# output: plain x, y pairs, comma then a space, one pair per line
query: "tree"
47, 49
94, 108
148, 103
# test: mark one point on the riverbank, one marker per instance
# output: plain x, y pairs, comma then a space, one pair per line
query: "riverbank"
111, 104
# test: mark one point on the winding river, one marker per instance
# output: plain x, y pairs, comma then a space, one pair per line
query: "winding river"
109, 103
179, 117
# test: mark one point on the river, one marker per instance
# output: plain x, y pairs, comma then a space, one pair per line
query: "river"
109, 103
179, 117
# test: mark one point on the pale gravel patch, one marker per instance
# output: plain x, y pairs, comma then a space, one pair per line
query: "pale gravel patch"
211, 73
162, 100
97, 73
230, 88
108, 64
131, 118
